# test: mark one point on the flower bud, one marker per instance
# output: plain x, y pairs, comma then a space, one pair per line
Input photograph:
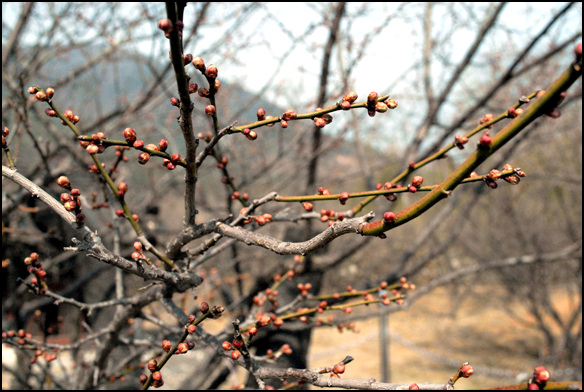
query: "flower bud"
466, 370
345, 105
70, 205
389, 217
261, 114
130, 135
541, 375
372, 97
417, 181
485, 140
343, 197
380, 107
289, 115
193, 87
163, 144
210, 110
41, 96
50, 92
319, 122
211, 71
391, 103
174, 101
143, 158
460, 141
165, 25
350, 97
578, 51
63, 182
198, 63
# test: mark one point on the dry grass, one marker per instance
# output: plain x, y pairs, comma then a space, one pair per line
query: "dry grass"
486, 336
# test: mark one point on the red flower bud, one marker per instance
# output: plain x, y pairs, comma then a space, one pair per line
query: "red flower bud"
466, 370
193, 87
210, 110
130, 135
261, 114
391, 103
485, 140
319, 122
163, 144
417, 181
380, 107
69, 114
199, 63
64, 182
165, 25
389, 217
343, 197
350, 97
541, 375
174, 101
345, 105
143, 158
41, 96
211, 71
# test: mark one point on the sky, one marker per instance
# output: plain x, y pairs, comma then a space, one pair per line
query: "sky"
266, 37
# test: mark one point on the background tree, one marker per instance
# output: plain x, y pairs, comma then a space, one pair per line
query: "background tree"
109, 64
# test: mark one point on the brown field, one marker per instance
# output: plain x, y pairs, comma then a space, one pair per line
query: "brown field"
485, 336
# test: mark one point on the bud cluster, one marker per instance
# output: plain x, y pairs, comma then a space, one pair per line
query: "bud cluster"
5, 133
35, 268
509, 174
71, 201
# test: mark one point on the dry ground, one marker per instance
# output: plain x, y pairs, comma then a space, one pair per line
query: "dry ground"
486, 336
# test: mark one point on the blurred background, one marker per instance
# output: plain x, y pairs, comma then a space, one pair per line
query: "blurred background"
498, 272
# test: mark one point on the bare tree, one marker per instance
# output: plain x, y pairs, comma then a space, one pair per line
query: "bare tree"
274, 202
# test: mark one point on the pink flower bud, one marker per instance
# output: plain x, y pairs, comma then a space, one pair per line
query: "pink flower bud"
417, 181
319, 122
187, 58
485, 140
343, 197
350, 97
210, 110
193, 87
466, 371
63, 182
211, 71
198, 63
541, 375
41, 96
174, 101
163, 144
261, 113
130, 135
165, 25
389, 217
380, 107
391, 103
